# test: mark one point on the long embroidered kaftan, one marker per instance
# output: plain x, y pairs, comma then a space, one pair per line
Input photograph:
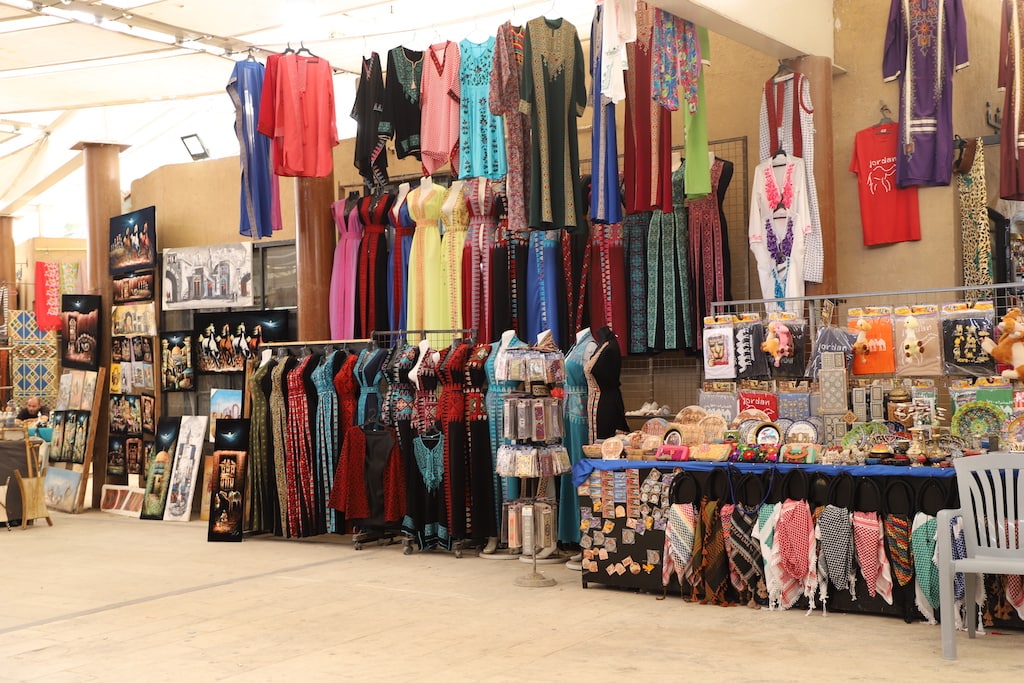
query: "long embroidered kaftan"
553, 92
439, 106
455, 219
398, 264
576, 432
709, 244
476, 258
669, 318
1011, 73
426, 306
400, 118
779, 220
925, 42
370, 154
605, 199
481, 134
506, 77
260, 215
372, 266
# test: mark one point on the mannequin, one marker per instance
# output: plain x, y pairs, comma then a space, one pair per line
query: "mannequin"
426, 183
453, 193
424, 348
677, 160
545, 338
403, 191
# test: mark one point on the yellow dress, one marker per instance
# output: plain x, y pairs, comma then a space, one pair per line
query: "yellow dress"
426, 307
455, 219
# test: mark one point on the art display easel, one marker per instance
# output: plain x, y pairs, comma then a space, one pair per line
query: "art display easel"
79, 505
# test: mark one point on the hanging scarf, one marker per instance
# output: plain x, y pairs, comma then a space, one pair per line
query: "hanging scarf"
835, 562
47, 295
679, 537
725, 513
874, 567
714, 566
767, 520
794, 553
926, 574
745, 551
897, 538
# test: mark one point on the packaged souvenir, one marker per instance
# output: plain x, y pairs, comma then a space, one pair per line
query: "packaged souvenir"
719, 358
873, 345
748, 335
830, 340
965, 329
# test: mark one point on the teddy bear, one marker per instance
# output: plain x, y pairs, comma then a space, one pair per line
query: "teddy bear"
779, 342
1010, 348
860, 345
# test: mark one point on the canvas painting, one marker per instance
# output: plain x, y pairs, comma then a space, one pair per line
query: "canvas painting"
207, 488
133, 453
217, 276
81, 424
142, 349
77, 386
227, 497
53, 453
177, 371
89, 390
133, 241
120, 349
148, 414
63, 392
159, 470
80, 325
187, 463
148, 452
122, 500
60, 488
131, 319
225, 341
117, 456
126, 414
224, 403
132, 288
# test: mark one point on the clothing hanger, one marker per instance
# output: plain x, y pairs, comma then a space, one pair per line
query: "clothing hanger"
288, 50
780, 152
783, 70
251, 57
886, 112
303, 48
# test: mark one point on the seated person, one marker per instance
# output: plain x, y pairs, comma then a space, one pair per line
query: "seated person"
33, 410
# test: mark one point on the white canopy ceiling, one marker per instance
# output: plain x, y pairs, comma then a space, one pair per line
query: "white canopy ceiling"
146, 72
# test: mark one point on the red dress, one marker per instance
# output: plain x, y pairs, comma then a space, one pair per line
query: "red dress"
347, 387
451, 412
372, 266
369, 468
608, 285
476, 258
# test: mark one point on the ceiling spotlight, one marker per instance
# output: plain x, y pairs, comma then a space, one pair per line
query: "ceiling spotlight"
196, 149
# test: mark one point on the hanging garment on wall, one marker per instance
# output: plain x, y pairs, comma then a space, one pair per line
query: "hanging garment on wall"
506, 78
888, 213
779, 220
481, 467
5, 307
695, 123
451, 411
974, 230
477, 293
425, 304
278, 400
371, 157
263, 483
636, 227
576, 266
297, 114
606, 412
648, 130
298, 447
787, 123
368, 373
925, 42
545, 287
607, 283
398, 409
576, 432
257, 217
709, 243
553, 92
400, 116
669, 321
398, 264
1011, 69
342, 297
428, 449
605, 200
618, 29
372, 265
347, 388
482, 134
508, 271
439, 106
327, 446
455, 219
369, 486
47, 290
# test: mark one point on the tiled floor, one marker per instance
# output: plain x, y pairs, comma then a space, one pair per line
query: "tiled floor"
105, 598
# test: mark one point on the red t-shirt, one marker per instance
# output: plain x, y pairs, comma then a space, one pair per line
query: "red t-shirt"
887, 213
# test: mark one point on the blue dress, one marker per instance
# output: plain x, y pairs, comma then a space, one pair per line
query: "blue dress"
505, 488
369, 372
326, 444
576, 434
605, 202
398, 265
481, 133
246, 88
543, 285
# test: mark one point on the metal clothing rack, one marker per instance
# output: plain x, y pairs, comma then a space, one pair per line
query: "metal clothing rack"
388, 338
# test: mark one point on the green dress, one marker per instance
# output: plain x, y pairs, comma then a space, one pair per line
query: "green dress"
669, 319
553, 93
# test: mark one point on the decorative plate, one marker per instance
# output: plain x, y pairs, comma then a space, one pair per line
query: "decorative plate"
894, 427
767, 433
1015, 428
746, 430
803, 431
978, 418
655, 426
863, 433
611, 448
784, 424
751, 414
690, 415
714, 427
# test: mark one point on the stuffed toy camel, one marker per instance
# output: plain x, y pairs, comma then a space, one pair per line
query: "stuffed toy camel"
1010, 349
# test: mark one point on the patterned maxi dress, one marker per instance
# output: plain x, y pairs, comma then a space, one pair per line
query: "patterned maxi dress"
428, 449
261, 480
605, 410
481, 134
476, 259
372, 284
299, 467
506, 76
634, 238
327, 444
505, 488
709, 244
481, 465
398, 412
398, 264
347, 388
607, 280
279, 429
576, 434
669, 323
342, 298
368, 373
508, 272
455, 218
451, 411
426, 305
439, 107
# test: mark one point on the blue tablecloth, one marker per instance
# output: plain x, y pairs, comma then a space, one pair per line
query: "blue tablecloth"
582, 469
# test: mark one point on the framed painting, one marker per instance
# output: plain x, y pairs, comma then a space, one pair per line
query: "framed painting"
133, 453
77, 387
120, 349
224, 403
177, 371
217, 276
80, 325
132, 288
54, 451
132, 319
133, 241
142, 349
226, 499
63, 392
117, 456
60, 488
89, 390
159, 470
188, 460
76, 454
148, 414
225, 341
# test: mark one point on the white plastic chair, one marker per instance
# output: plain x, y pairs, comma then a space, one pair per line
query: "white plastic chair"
991, 491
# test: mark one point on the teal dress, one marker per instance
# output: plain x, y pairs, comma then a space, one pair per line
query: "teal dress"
505, 488
575, 415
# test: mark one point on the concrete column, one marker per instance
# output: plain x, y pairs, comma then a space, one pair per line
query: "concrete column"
314, 255
819, 71
8, 270
103, 201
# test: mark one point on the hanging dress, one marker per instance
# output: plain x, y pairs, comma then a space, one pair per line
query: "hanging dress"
369, 486
608, 280
576, 265
635, 230
545, 288
606, 412
574, 411
482, 134
326, 444
605, 201
426, 306
370, 154
398, 264
451, 411
372, 266
424, 411
278, 400
669, 322
400, 117
709, 244
508, 271
299, 450
455, 219
261, 479
481, 465
342, 298
398, 406
476, 259
260, 214
428, 450
506, 76
439, 107
368, 374
347, 388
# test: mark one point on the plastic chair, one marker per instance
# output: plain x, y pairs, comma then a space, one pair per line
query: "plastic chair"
991, 491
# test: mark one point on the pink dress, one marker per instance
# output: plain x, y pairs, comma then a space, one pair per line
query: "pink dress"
439, 105
342, 299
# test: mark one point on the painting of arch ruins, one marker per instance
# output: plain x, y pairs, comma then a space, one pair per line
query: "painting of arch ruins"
217, 276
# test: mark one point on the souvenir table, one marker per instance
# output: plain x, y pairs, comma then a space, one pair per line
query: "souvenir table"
634, 547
